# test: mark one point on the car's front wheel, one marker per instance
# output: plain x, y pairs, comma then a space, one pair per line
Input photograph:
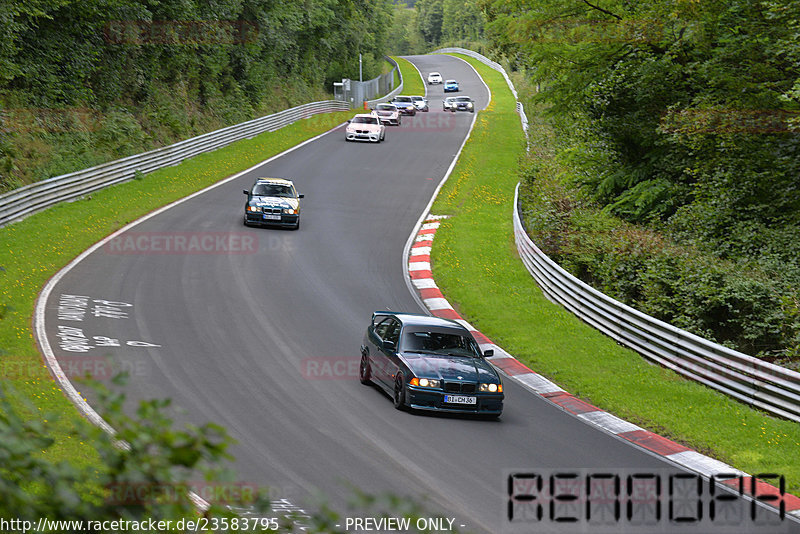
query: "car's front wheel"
399, 392
364, 370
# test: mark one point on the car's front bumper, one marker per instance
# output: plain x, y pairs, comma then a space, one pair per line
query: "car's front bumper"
407, 111
372, 136
256, 218
431, 399
450, 89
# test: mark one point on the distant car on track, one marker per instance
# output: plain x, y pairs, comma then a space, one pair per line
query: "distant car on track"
429, 363
458, 103
272, 201
434, 78
365, 127
387, 113
420, 103
450, 86
404, 105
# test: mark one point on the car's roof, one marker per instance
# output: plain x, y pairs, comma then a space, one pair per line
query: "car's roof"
418, 319
364, 115
387, 105
462, 97
450, 81
279, 181
434, 72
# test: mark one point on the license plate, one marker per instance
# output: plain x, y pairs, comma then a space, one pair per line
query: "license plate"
460, 399
269, 217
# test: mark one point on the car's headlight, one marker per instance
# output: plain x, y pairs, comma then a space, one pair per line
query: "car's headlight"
491, 388
425, 382
291, 211
253, 208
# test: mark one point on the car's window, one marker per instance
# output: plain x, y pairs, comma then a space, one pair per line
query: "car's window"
440, 343
417, 98
273, 190
365, 120
451, 81
387, 107
402, 99
382, 327
462, 99
393, 331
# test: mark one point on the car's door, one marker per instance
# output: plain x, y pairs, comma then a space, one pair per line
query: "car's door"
375, 336
385, 357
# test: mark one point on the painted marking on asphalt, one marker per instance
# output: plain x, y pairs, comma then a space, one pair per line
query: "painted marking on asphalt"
573, 404
424, 283
419, 266
703, 464
538, 383
610, 422
510, 366
654, 442
437, 304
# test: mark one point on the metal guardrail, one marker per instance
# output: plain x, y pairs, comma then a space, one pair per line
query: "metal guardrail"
36, 197
764, 385
396, 90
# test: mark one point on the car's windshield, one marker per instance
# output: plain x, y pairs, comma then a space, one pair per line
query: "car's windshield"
385, 107
365, 120
440, 343
462, 99
273, 190
450, 81
417, 98
402, 99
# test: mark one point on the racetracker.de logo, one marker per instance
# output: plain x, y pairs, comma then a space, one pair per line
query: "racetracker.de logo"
331, 368
143, 493
178, 243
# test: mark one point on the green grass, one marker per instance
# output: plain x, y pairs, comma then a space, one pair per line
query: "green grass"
476, 264
36, 248
412, 82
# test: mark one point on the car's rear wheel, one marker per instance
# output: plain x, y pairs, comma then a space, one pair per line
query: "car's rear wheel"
399, 392
364, 370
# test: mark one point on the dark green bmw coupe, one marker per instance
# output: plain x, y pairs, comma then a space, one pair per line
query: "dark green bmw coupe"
428, 363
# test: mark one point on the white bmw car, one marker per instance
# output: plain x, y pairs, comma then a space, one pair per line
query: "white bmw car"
434, 78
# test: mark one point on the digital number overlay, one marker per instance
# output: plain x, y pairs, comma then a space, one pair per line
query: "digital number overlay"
645, 501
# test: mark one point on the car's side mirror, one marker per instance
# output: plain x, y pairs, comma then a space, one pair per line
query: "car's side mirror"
246, 192
301, 196
389, 345
488, 353
349, 121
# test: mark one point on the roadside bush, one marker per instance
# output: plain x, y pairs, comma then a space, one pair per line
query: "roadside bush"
746, 305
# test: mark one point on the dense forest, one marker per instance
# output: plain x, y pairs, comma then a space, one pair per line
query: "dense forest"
85, 81
673, 179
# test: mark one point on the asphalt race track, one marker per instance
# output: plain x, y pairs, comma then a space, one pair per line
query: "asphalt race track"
262, 334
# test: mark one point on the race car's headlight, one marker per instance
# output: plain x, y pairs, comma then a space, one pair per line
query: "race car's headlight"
469, 105
290, 211
425, 382
491, 388
253, 208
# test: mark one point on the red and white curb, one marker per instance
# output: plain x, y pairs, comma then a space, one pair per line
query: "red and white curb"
421, 277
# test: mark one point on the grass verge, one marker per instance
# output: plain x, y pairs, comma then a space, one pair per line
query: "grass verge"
477, 267
412, 83
39, 246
